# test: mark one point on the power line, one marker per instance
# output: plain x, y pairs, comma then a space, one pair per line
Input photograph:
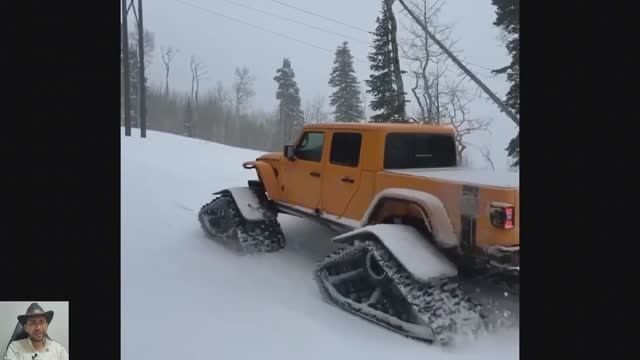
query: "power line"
296, 21
477, 71
260, 27
478, 82
321, 16
353, 27
476, 65
252, 25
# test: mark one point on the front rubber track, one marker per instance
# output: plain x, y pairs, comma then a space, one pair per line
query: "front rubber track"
223, 222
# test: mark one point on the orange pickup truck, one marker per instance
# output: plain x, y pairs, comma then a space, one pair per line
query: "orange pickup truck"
414, 225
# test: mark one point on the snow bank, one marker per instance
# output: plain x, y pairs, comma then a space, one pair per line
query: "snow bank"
185, 297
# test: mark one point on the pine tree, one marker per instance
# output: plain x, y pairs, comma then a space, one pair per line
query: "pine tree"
384, 83
290, 112
508, 18
346, 97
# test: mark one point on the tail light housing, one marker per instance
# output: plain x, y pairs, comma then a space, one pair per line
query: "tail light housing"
502, 215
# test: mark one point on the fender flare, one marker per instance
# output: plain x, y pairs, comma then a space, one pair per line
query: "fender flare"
251, 203
421, 258
267, 177
438, 218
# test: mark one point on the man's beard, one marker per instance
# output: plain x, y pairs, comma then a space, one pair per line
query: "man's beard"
33, 339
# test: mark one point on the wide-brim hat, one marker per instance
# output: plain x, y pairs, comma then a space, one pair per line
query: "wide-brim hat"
33, 310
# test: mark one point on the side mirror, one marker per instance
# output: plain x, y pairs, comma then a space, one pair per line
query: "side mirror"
288, 152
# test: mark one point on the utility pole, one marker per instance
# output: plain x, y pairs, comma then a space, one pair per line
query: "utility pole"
396, 62
125, 65
143, 102
488, 91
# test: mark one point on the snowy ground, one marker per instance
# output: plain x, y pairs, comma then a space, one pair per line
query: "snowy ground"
185, 297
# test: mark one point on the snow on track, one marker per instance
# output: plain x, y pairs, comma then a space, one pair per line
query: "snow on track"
186, 297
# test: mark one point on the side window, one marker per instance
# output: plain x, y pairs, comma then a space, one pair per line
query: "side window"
310, 146
345, 149
406, 151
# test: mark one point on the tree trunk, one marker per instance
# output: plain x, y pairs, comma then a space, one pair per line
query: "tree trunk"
141, 81
125, 65
438, 113
427, 94
167, 84
425, 79
415, 94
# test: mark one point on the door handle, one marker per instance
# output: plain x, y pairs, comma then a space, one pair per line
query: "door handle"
314, 173
347, 179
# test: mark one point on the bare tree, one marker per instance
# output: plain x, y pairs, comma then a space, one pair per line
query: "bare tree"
242, 92
456, 111
485, 151
167, 55
188, 119
308, 112
242, 89
314, 111
221, 97
437, 105
426, 54
220, 94
198, 73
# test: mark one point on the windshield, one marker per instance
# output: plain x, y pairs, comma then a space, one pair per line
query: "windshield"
407, 151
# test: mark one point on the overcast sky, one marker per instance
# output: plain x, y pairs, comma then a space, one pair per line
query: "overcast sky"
223, 44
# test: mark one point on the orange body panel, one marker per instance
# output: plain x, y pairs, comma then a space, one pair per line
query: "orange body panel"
290, 182
267, 174
362, 198
450, 193
300, 187
339, 182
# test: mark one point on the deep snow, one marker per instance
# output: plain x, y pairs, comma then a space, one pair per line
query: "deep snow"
186, 297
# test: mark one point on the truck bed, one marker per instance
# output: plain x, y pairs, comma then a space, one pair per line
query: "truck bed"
499, 178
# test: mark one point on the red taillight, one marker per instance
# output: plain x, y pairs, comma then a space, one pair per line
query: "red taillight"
508, 224
502, 216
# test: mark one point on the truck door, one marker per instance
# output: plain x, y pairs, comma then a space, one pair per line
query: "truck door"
341, 172
303, 181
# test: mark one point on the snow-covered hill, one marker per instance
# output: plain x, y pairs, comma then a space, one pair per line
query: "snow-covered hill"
185, 297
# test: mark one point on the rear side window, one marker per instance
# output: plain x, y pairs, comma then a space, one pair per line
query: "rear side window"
345, 149
406, 151
310, 146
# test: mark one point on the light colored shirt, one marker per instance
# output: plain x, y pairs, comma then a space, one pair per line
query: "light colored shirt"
24, 350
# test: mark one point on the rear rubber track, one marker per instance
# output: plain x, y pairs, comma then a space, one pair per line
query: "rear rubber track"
433, 311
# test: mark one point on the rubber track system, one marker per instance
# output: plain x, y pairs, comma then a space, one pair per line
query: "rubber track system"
222, 221
365, 279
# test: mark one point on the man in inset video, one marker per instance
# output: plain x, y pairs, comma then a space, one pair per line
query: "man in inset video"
35, 344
